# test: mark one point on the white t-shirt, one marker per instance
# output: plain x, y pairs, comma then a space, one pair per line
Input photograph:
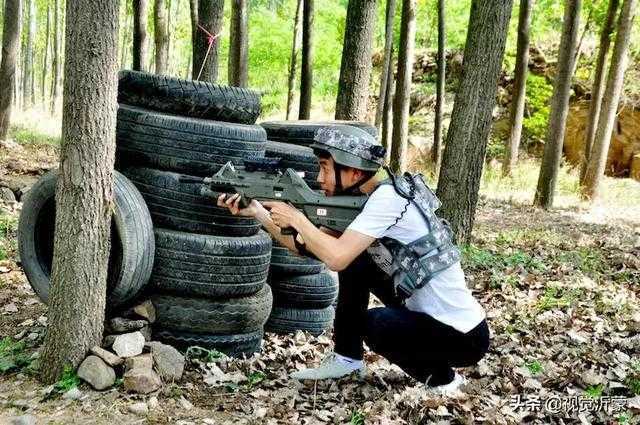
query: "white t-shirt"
446, 297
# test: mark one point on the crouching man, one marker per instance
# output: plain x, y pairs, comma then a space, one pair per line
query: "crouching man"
397, 249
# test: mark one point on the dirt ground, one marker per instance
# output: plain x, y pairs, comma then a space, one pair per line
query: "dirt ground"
561, 290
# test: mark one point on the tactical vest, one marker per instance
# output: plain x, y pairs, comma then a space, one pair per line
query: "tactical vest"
414, 264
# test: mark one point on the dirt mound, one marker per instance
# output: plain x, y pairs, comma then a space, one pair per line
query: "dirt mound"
624, 152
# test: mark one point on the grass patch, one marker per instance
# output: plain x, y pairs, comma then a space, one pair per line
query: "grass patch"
594, 391
557, 297
68, 380
589, 261
481, 258
534, 367
357, 418
31, 136
519, 237
13, 356
203, 354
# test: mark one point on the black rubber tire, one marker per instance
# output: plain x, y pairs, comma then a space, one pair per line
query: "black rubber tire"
187, 145
210, 266
238, 346
302, 132
284, 262
180, 206
289, 320
188, 98
300, 158
304, 291
132, 240
224, 316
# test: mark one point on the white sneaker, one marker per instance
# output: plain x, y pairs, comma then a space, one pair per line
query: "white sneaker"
331, 367
452, 389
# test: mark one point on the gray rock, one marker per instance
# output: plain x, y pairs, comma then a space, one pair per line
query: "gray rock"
108, 357
97, 373
169, 362
7, 195
146, 332
142, 381
140, 408
129, 345
120, 324
185, 404
24, 420
146, 310
143, 361
108, 340
73, 394
153, 403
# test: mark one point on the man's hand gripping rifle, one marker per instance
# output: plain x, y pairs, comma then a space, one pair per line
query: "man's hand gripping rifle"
264, 180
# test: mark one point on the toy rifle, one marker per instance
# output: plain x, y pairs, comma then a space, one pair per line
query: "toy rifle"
264, 180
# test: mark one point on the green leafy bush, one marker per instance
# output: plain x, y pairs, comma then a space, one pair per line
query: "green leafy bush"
539, 93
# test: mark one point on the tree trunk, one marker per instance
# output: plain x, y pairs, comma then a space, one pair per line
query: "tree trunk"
238, 44
436, 150
10, 46
598, 84
387, 112
161, 26
193, 8
27, 72
388, 48
355, 68
519, 87
293, 64
306, 77
559, 107
205, 60
45, 59
468, 133
403, 87
56, 68
615, 79
84, 192
139, 50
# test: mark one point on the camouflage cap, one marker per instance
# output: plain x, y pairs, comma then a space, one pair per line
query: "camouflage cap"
350, 146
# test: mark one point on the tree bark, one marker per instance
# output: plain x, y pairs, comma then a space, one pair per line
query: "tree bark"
27, 72
139, 50
10, 46
400, 131
387, 112
466, 142
559, 107
436, 151
193, 8
519, 87
161, 26
355, 68
210, 16
238, 44
293, 64
598, 84
84, 193
45, 59
306, 77
56, 68
388, 48
615, 79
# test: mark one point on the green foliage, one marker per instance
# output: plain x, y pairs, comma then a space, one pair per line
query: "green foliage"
203, 354
8, 227
255, 378
594, 391
588, 260
539, 93
25, 136
500, 264
13, 355
557, 297
357, 418
534, 367
68, 380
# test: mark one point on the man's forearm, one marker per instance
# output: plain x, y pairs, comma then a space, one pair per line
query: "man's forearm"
321, 244
285, 240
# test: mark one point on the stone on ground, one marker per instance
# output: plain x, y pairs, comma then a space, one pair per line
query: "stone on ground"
142, 381
169, 362
143, 361
140, 408
97, 373
128, 345
120, 324
108, 357
24, 420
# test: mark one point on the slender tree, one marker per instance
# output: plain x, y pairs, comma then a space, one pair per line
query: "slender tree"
84, 192
27, 70
205, 56
519, 87
45, 59
559, 107
306, 77
615, 79
293, 61
466, 142
387, 112
598, 84
436, 151
56, 68
388, 49
238, 73
355, 68
161, 27
400, 131
10, 46
139, 50
193, 8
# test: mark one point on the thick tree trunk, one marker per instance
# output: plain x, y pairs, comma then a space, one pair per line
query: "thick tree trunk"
10, 46
615, 79
387, 112
598, 84
84, 193
559, 107
388, 48
27, 72
45, 60
57, 56
355, 68
468, 133
306, 77
193, 8
238, 73
139, 50
205, 60
161, 26
436, 150
519, 87
293, 61
400, 132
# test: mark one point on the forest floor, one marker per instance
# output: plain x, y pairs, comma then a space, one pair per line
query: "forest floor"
561, 289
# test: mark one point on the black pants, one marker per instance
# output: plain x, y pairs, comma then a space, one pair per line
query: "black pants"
419, 344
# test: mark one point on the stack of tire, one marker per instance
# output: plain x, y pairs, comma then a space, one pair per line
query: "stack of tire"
210, 269
304, 291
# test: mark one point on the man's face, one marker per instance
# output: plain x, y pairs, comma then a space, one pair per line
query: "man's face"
327, 176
